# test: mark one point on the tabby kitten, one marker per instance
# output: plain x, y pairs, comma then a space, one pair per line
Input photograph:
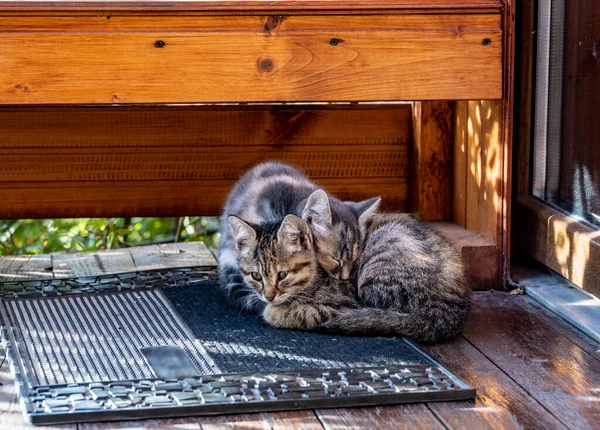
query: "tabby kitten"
266, 194
410, 282
278, 261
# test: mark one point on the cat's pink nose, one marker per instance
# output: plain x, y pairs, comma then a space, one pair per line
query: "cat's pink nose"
270, 298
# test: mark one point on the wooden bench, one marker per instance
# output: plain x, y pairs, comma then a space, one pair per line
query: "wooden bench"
120, 108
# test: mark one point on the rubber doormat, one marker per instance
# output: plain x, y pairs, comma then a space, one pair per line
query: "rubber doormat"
163, 344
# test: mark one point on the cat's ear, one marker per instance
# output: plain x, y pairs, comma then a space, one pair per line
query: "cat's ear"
365, 211
317, 210
243, 235
294, 234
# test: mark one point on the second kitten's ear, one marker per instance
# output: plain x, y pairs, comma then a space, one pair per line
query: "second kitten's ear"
295, 234
366, 210
243, 235
317, 210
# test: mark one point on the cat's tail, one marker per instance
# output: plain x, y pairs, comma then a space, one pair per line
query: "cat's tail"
429, 327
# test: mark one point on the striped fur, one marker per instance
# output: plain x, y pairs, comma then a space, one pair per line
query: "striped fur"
264, 196
410, 282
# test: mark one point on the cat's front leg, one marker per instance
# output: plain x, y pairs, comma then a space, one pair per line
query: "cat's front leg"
298, 317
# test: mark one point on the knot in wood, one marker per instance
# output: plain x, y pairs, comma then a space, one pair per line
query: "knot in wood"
265, 64
159, 44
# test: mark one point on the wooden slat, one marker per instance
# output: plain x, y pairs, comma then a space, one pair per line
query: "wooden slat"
500, 402
347, 61
174, 423
484, 164
459, 163
73, 162
431, 191
479, 255
539, 355
92, 263
386, 417
265, 6
185, 254
293, 420
22, 267
560, 242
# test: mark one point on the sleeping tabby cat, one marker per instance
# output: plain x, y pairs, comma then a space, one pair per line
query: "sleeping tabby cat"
408, 280
265, 195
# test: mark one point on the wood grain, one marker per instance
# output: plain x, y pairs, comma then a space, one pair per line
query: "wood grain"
293, 420
264, 6
73, 162
531, 347
500, 403
22, 267
174, 423
431, 191
479, 255
92, 263
459, 163
346, 61
560, 242
385, 417
171, 255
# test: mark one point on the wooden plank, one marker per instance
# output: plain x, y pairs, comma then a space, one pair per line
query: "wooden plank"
168, 198
92, 263
459, 163
11, 416
386, 417
539, 355
431, 195
479, 255
294, 420
190, 127
264, 6
23, 267
190, 423
560, 242
347, 61
484, 163
73, 162
171, 255
500, 402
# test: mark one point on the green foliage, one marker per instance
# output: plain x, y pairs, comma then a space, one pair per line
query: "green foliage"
91, 234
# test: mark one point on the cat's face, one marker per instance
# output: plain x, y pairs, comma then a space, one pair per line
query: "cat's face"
278, 259
338, 239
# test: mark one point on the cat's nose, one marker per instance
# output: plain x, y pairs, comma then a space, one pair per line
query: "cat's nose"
270, 298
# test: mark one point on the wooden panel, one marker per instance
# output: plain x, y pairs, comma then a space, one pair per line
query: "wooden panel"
172, 423
70, 162
537, 352
431, 191
237, 6
91, 264
500, 403
479, 255
383, 418
185, 254
354, 59
21, 267
560, 242
484, 164
459, 163
293, 420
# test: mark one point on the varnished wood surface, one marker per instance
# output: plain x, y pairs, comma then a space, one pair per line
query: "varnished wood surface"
250, 59
150, 161
431, 191
530, 369
253, 6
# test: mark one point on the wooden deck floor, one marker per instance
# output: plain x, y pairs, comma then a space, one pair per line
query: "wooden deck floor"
531, 369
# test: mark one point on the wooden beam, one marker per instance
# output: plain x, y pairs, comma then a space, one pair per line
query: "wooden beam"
431, 191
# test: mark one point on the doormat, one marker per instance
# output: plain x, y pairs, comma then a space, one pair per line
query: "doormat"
164, 344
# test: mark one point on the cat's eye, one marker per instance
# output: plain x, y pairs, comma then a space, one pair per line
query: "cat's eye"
256, 276
282, 275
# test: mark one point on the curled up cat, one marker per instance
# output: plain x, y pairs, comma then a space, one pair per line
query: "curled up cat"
408, 281
263, 197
